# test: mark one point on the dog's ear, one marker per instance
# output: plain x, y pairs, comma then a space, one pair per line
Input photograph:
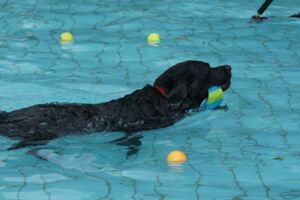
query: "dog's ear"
184, 80
179, 91
184, 88
194, 86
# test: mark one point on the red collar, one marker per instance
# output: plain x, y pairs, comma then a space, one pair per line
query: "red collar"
162, 90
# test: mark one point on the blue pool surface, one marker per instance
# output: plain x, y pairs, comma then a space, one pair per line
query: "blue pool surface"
250, 152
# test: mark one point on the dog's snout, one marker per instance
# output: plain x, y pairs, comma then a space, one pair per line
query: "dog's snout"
228, 68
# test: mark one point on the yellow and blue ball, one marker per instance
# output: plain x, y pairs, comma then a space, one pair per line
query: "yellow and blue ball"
214, 99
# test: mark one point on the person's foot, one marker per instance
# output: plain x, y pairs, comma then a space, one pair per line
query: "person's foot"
296, 15
258, 19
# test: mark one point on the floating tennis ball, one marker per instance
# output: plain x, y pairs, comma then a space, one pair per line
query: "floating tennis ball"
66, 37
153, 39
176, 157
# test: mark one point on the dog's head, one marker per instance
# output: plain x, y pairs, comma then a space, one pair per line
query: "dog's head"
187, 83
219, 76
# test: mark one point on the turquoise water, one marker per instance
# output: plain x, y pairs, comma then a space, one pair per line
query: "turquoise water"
252, 151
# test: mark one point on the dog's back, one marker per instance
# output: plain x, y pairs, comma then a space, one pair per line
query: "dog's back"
141, 110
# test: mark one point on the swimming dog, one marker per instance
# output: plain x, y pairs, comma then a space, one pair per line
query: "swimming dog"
180, 88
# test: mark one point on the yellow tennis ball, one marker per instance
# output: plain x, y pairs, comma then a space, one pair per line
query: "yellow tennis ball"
153, 38
66, 37
176, 157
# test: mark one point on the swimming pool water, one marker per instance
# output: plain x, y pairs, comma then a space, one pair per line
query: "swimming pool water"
252, 151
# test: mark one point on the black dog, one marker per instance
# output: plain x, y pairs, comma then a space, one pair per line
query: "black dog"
179, 89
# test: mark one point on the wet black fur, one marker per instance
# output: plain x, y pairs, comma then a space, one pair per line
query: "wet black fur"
186, 83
